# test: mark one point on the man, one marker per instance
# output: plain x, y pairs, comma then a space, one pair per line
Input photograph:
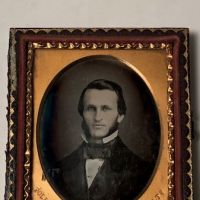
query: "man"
102, 168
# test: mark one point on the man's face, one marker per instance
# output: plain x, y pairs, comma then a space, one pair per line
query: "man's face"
100, 112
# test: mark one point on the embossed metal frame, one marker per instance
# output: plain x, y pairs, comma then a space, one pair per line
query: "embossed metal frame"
23, 42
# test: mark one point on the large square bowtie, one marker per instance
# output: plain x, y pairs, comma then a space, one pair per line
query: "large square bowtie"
101, 152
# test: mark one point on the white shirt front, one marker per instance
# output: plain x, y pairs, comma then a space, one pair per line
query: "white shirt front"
92, 166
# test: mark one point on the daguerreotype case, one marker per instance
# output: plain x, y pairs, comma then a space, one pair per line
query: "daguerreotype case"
99, 114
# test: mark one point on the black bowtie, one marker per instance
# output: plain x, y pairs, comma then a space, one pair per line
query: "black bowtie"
97, 151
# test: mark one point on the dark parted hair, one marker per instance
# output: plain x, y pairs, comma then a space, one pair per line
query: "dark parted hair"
102, 84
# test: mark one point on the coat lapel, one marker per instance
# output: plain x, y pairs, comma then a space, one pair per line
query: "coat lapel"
102, 183
74, 176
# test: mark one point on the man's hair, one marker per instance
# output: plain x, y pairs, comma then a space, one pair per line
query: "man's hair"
102, 84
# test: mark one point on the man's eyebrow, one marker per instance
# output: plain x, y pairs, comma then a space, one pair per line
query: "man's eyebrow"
106, 106
90, 105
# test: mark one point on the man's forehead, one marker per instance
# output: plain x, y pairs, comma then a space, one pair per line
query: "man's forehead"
96, 96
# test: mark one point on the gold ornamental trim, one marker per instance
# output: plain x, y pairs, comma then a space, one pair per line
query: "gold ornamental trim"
29, 110
170, 119
93, 45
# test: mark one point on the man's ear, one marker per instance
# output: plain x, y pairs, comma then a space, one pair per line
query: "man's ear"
120, 118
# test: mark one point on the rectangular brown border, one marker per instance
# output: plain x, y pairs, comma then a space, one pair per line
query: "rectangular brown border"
172, 36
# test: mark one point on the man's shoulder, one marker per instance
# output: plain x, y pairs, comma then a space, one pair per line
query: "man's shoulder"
122, 151
71, 160
126, 159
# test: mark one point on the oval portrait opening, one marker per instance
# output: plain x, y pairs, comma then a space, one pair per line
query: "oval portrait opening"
98, 131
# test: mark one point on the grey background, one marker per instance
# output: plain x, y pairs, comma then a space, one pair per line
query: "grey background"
64, 129
102, 13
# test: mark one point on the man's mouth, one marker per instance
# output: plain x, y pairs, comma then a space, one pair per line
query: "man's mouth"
98, 126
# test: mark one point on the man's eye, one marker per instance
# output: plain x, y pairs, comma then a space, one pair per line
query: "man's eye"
106, 108
90, 108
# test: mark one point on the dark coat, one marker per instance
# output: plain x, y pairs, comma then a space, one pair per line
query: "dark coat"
122, 176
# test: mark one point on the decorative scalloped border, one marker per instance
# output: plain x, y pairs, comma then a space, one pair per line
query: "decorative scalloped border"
12, 122
12, 97
187, 130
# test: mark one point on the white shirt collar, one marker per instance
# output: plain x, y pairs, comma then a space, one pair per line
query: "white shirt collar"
103, 140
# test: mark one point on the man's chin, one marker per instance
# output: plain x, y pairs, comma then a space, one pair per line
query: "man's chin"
99, 135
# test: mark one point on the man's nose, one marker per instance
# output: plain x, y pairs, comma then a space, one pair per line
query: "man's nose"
98, 115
